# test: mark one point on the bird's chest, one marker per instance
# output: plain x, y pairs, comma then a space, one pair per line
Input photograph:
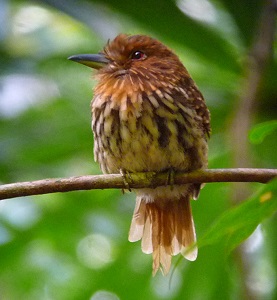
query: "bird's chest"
143, 136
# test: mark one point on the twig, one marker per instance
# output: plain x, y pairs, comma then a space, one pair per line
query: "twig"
136, 180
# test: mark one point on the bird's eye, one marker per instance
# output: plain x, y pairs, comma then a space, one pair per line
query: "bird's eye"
138, 55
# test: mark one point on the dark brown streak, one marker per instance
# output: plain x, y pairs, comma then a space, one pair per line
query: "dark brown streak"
115, 132
145, 130
164, 132
197, 102
163, 104
193, 152
186, 117
97, 113
129, 103
181, 129
145, 99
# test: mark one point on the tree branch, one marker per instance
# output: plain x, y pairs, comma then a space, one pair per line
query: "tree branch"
135, 180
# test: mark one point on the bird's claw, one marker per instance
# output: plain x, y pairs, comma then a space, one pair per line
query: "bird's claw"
170, 178
126, 177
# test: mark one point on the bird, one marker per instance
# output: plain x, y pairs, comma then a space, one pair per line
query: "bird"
148, 115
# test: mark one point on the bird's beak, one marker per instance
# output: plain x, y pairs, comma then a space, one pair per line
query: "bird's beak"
96, 61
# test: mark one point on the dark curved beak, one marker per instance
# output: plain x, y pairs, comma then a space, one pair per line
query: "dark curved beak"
96, 61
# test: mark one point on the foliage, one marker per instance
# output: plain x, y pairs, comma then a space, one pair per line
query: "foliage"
239, 222
262, 130
74, 245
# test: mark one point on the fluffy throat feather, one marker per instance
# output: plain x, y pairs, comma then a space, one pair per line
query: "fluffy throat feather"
162, 101
131, 98
135, 80
127, 95
133, 86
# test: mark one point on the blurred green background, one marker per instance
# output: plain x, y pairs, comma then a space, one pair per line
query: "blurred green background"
74, 245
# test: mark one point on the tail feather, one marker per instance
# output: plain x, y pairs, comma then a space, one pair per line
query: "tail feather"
138, 222
147, 242
166, 228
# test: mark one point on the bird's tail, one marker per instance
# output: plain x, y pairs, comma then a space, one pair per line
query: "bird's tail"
166, 228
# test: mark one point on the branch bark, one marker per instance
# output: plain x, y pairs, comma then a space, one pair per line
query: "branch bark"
135, 180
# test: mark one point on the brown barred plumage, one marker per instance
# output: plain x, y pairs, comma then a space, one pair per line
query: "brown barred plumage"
148, 115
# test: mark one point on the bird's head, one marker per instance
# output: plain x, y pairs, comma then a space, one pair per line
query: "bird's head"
138, 60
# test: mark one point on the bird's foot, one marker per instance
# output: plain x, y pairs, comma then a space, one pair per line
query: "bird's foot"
170, 178
126, 177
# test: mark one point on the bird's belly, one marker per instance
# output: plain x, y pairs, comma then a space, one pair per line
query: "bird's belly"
140, 150
141, 137
136, 155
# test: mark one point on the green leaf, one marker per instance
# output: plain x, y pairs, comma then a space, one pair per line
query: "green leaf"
260, 131
237, 224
